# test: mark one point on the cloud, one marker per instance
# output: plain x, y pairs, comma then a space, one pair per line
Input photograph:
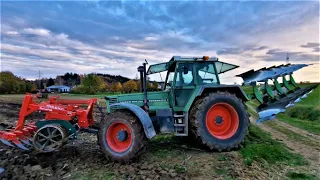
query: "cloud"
316, 49
38, 32
281, 55
115, 37
12, 33
314, 46
237, 50
310, 45
60, 52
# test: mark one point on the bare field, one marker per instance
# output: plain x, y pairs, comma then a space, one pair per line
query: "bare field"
167, 157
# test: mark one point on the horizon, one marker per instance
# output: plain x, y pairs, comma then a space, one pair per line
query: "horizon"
115, 37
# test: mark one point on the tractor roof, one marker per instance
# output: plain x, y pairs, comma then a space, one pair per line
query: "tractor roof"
186, 58
220, 66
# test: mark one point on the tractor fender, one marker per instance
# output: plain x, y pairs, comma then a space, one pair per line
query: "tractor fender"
142, 115
235, 89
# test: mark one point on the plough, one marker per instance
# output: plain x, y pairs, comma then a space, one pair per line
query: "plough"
193, 102
275, 98
61, 119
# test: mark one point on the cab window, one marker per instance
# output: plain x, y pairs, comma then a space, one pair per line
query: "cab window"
185, 75
205, 73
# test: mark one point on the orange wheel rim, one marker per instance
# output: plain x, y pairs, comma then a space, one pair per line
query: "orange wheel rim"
119, 137
222, 121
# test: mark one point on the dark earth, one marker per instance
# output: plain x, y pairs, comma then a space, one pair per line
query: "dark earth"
166, 157
79, 155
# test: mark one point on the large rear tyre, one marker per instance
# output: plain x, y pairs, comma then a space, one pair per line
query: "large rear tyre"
121, 137
219, 121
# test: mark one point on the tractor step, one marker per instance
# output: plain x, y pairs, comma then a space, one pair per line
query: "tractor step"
181, 124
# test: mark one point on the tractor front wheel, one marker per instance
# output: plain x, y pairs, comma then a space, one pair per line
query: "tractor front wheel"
219, 121
121, 137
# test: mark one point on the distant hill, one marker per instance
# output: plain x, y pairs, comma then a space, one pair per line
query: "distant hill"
113, 78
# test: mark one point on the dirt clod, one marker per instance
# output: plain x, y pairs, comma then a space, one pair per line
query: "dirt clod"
36, 168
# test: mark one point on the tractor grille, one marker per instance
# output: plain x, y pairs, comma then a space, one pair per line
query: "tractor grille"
113, 100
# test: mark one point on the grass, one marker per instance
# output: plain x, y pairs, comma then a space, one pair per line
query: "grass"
291, 134
94, 174
310, 126
224, 173
305, 114
259, 146
297, 175
166, 146
97, 95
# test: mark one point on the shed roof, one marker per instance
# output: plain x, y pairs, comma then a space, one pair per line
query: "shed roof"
58, 87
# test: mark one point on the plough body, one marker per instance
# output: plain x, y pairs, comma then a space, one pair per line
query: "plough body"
275, 98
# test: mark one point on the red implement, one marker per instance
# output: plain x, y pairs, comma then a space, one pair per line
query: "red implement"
55, 109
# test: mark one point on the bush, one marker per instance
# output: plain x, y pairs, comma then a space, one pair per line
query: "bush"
304, 113
91, 84
83, 90
130, 86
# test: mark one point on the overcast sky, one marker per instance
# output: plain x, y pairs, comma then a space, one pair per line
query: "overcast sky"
116, 37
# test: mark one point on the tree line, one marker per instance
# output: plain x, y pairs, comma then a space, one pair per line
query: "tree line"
11, 84
83, 84
93, 83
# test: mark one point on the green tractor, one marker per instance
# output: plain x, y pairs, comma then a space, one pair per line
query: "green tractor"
192, 103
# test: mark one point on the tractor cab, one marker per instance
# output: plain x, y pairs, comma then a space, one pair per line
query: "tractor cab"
186, 75
191, 71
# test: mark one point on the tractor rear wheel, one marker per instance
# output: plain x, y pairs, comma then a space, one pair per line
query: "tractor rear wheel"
121, 137
219, 121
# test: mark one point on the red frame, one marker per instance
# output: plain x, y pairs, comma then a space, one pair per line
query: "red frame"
55, 109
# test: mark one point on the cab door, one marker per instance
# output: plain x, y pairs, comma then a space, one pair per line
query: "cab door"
184, 85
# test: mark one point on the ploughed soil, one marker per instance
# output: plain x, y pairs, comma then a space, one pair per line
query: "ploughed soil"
165, 158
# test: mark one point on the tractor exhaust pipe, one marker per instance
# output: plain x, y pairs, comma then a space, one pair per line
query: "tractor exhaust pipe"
143, 85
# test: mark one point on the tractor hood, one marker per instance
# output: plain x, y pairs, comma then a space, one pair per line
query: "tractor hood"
156, 100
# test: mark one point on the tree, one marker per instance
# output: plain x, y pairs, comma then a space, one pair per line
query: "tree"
9, 83
149, 88
116, 87
138, 85
155, 85
91, 84
130, 86
30, 87
50, 82
119, 87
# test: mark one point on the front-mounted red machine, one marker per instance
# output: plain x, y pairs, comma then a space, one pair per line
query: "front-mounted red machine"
62, 120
